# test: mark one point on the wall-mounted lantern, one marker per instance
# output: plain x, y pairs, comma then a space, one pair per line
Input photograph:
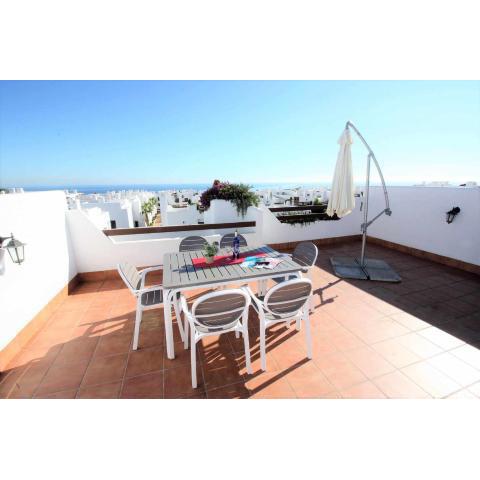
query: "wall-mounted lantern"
15, 249
452, 213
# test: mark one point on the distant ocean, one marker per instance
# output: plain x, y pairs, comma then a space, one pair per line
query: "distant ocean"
200, 187
161, 186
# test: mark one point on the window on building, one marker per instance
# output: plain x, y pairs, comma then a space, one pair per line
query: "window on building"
136, 224
113, 224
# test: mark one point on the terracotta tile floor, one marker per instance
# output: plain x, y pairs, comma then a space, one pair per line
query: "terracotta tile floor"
416, 339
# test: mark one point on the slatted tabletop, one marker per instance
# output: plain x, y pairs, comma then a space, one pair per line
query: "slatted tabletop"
180, 273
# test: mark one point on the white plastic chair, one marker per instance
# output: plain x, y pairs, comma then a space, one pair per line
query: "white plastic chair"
213, 314
227, 240
285, 302
191, 243
147, 297
305, 254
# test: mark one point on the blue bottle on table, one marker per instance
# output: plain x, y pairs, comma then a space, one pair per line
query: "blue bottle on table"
236, 246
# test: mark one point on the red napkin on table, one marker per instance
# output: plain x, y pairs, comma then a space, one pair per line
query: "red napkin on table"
222, 260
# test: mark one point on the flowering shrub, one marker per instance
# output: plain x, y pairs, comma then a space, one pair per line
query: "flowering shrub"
237, 193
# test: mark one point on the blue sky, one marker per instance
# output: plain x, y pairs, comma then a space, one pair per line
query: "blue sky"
116, 132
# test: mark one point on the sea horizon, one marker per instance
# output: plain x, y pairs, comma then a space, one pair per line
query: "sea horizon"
103, 188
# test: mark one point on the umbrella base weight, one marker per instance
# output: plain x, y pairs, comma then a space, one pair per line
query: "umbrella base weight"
348, 267
376, 270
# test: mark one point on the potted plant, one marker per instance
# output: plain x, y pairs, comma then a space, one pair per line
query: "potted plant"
237, 193
210, 251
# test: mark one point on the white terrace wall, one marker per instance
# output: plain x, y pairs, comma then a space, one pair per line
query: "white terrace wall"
37, 219
272, 231
418, 220
221, 211
181, 216
94, 251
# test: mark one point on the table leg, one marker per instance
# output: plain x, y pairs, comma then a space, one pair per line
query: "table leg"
167, 313
262, 287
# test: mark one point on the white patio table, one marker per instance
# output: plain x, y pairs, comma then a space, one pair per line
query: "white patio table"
180, 274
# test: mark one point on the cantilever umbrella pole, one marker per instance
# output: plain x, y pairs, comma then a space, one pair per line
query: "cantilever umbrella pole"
363, 268
365, 213
387, 211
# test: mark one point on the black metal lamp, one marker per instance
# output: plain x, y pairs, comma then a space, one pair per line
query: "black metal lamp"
452, 213
15, 248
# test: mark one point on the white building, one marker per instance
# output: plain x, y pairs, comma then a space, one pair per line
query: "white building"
100, 218
123, 207
120, 212
179, 212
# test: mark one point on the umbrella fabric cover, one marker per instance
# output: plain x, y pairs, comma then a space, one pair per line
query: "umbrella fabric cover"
342, 200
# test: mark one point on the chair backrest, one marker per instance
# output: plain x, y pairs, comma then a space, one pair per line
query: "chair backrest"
219, 310
288, 297
305, 254
227, 240
192, 243
130, 276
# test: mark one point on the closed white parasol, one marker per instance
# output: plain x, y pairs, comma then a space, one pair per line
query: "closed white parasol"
342, 200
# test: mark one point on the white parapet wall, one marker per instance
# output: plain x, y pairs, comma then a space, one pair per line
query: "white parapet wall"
222, 211
37, 219
419, 221
95, 251
270, 230
187, 215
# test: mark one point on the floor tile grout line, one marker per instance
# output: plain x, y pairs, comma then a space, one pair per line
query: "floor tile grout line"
80, 386
120, 392
112, 381
457, 391
46, 373
408, 378
367, 344
89, 362
451, 378
15, 382
403, 335
26, 365
98, 343
50, 366
372, 378
400, 370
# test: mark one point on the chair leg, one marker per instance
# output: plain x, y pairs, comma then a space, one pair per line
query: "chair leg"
311, 300
138, 321
246, 343
298, 323
186, 334
263, 354
237, 334
308, 334
193, 357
